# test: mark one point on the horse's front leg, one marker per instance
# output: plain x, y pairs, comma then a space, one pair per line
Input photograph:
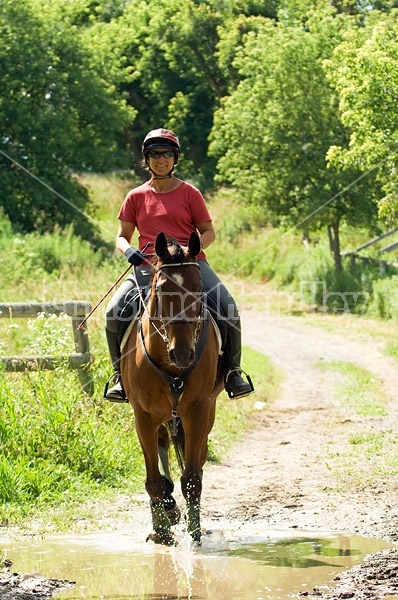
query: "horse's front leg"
147, 432
191, 479
191, 485
169, 503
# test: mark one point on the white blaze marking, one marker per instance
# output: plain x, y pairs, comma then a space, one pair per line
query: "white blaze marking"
179, 279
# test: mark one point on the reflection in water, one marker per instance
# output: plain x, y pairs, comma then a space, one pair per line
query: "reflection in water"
297, 553
247, 564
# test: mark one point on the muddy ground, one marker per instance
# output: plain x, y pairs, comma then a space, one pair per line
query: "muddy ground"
284, 471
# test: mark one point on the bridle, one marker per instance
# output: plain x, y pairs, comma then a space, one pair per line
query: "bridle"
172, 321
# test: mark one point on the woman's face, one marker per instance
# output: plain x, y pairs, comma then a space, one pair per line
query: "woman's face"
161, 160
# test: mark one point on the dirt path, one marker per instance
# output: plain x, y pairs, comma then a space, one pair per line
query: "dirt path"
280, 474
283, 461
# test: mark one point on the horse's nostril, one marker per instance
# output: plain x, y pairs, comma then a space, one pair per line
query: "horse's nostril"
181, 359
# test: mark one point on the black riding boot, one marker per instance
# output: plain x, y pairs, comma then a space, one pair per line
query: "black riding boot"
115, 393
235, 385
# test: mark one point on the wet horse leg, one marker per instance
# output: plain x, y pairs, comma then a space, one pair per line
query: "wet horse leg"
170, 505
195, 458
147, 432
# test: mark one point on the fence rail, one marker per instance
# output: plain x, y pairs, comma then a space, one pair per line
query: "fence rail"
353, 256
81, 359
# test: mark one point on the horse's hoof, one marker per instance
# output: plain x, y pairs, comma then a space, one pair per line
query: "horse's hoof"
196, 537
165, 538
174, 515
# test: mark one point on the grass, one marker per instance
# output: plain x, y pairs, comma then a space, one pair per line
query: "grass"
391, 349
63, 453
107, 194
60, 447
358, 390
369, 461
370, 453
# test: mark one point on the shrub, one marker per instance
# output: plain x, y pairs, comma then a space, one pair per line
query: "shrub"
384, 302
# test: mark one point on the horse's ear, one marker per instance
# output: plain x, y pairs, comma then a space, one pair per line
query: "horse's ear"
161, 248
194, 246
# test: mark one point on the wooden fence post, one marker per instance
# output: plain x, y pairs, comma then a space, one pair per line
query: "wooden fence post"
80, 360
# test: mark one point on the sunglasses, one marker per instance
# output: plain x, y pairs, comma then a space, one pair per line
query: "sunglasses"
157, 154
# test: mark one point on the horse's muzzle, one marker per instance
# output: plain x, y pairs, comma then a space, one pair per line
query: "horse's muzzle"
181, 357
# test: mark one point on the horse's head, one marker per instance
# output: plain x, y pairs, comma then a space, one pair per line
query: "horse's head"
177, 288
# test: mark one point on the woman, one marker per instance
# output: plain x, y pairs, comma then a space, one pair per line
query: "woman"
176, 208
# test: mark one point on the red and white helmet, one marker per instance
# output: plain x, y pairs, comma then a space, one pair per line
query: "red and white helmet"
161, 138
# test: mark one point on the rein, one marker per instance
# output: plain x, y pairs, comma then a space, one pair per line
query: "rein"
176, 384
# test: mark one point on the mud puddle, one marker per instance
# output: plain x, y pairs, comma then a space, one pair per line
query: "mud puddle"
247, 562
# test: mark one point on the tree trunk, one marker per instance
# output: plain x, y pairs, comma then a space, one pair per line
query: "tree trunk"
334, 240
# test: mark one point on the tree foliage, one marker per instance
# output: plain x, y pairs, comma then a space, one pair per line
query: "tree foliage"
272, 134
296, 97
57, 117
169, 72
364, 71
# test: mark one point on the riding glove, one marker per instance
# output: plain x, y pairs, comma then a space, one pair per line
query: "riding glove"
134, 256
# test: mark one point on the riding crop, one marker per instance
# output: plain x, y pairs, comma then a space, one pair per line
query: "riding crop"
104, 296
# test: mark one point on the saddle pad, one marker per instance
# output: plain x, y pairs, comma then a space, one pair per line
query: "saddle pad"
218, 333
127, 332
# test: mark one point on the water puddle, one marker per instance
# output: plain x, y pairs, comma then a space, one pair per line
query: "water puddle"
245, 563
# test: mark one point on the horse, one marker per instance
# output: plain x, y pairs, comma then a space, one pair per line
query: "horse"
172, 373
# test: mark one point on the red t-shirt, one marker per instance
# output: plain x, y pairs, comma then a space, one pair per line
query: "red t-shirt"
176, 213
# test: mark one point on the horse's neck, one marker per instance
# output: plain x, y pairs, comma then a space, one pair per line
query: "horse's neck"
153, 341
151, 304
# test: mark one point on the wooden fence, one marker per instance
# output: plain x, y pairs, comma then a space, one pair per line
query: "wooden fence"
81, 359
354, 255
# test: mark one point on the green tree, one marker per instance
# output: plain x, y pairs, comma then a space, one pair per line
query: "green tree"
272, 134
164, 57
165, 51
167, 56
364, 71
57, 117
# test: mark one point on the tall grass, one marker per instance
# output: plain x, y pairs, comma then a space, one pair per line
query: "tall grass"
56, 441
384, 302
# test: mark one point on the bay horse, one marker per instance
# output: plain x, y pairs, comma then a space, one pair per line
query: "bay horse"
172, 373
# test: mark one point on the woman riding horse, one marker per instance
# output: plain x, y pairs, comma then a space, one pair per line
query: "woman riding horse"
168, 204
171, 371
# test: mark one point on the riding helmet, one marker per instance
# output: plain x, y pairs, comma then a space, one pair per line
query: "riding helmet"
161, 138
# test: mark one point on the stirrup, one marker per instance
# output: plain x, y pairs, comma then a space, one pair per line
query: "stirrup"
115, 395
250, 386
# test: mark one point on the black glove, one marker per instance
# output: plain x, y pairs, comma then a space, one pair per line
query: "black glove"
134, 256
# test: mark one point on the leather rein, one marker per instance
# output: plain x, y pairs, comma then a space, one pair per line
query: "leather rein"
176, 384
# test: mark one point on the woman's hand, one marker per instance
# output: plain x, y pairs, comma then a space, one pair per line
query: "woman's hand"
134, 256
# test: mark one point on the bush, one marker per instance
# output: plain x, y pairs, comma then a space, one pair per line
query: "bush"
333, 291
384, 302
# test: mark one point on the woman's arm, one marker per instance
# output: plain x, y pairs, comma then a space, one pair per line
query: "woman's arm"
207, 233
124, 235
